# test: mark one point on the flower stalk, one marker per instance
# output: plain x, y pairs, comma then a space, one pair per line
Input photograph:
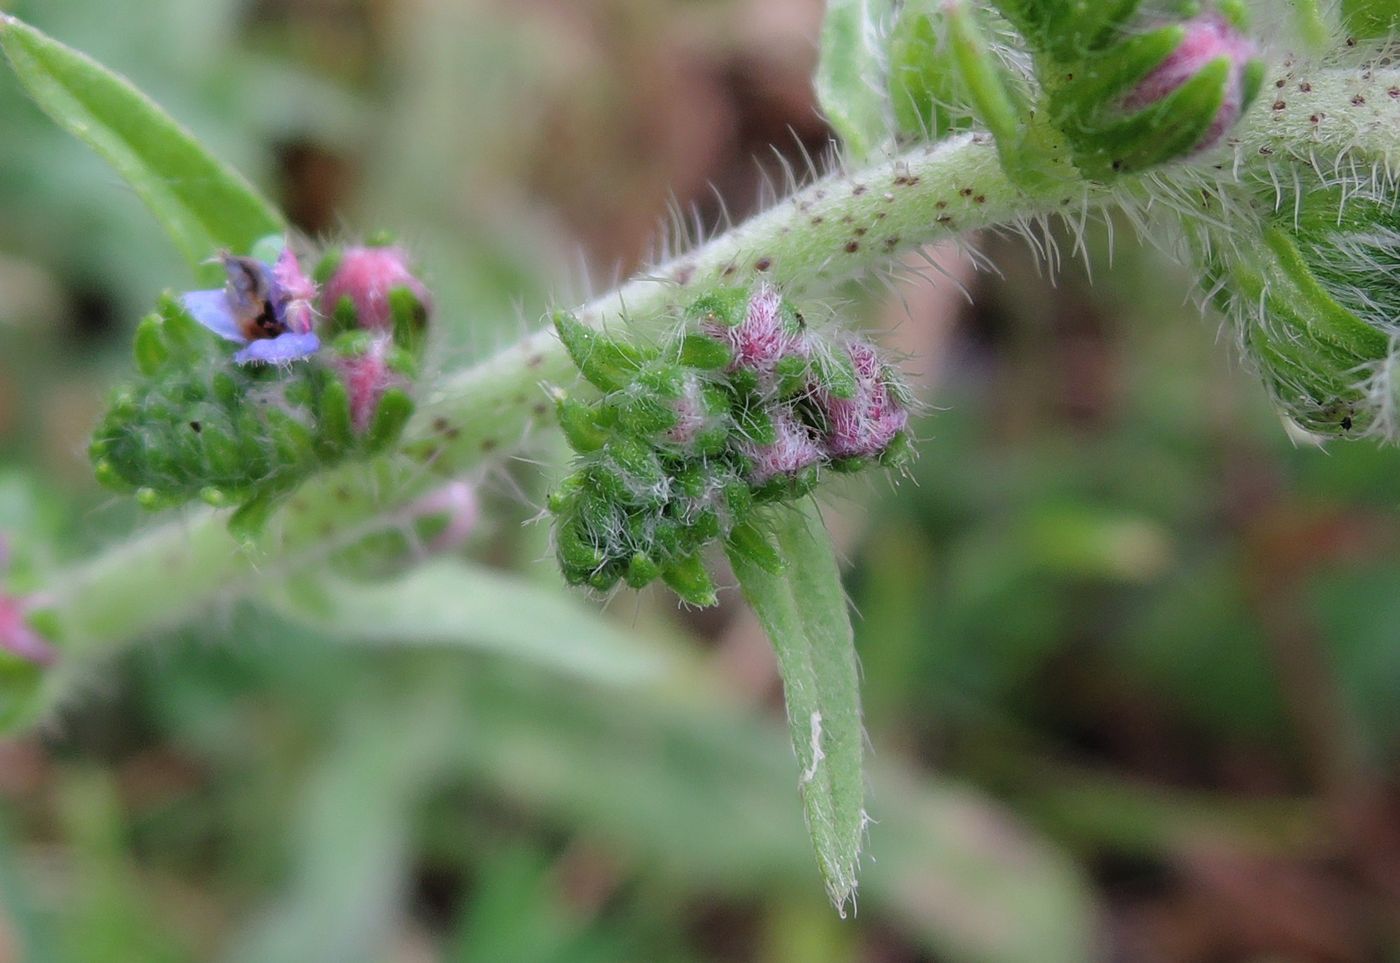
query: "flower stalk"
842, 226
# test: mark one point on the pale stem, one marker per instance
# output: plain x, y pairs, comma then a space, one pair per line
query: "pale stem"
841, 227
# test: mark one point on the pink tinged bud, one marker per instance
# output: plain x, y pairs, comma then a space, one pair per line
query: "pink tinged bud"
793, 449
367, 377
457, 503
762, 339
865, 424
367, 275
691, 417
1209, 37
17, 638
298, 290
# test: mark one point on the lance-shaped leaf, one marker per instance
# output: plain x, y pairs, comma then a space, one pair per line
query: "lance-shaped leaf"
803, 609
849, 75
202, 203
451, 603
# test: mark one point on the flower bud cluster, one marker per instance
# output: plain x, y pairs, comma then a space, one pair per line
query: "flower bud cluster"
745, 405
243, 428
1123, 86
1140, 89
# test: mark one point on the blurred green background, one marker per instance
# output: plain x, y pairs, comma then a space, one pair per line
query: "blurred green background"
1129, 649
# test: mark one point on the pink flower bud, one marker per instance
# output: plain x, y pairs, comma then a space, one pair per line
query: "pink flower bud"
865, 424
17, 638
367, 376
366, 275
456, 504
763, 337
792, 450
1209, 37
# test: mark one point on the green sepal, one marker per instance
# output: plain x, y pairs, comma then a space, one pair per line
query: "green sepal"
836, 374
749, 541
336, 434
899, 452
689, 579
223, 459
249, 520
410, 317
704, 353
149, 347
727, 306
642, 570
215, 497
606, 363
1076, 105
1162, 132
578, 556
579, 423
755, 425
391, 413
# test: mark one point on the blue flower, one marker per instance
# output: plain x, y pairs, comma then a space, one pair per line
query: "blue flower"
265, 307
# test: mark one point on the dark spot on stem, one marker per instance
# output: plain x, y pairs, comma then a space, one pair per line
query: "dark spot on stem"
1358, 101
763, 264
1305, 87
196, 427
534, 361
489, 445
1279, 105
852, 247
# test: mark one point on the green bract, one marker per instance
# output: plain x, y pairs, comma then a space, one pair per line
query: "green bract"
1316, 296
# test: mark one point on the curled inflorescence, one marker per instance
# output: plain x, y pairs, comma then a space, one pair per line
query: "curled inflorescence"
746, 405
322, 373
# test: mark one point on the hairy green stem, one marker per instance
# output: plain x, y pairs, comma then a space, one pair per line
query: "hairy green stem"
841, 227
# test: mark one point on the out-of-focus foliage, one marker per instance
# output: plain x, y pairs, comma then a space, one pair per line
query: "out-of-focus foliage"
1127, 649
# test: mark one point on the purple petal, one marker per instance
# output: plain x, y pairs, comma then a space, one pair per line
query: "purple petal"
283, 349
212, 309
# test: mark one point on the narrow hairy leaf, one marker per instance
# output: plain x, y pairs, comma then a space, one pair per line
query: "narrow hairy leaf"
203, 204
850, 74
458, 604
804, 612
